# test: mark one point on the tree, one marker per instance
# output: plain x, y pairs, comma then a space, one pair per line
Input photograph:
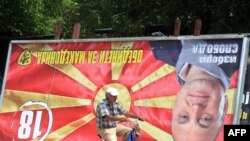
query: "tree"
33, 17
125, 17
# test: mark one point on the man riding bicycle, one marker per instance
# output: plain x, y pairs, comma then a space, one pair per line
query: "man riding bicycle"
107, 116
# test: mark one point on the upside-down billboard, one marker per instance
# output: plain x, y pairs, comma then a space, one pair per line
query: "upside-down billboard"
184, 89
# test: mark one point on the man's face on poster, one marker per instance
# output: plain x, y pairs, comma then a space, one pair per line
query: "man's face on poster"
199, 111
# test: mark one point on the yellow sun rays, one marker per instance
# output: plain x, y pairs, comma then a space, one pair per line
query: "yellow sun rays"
157, 102
117, 67
13, 99
67, 69
156, 75
231, 93
17, 98
69, 128
155, 132
75, 74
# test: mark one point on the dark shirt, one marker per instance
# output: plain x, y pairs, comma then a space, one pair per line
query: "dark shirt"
104, 108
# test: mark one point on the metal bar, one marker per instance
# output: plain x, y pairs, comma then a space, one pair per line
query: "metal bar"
241, 79
215, 36
5, 75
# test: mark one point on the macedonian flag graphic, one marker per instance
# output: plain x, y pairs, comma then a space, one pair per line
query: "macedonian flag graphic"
51, 89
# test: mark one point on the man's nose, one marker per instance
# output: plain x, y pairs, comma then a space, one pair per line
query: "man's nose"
196, 102
198, 106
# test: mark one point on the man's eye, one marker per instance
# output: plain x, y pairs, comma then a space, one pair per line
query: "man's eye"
205, 120
182, 118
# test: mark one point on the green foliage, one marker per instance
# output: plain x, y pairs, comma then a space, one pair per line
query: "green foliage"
32, 17
125, 17
15, 17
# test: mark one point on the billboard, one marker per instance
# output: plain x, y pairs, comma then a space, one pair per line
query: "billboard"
183, 87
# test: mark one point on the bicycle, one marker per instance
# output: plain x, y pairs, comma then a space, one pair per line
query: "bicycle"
135, 132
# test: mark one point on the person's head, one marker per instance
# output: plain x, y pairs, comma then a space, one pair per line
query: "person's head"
200, 107
111, 94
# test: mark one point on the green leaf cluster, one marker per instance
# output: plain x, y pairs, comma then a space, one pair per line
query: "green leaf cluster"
125, 17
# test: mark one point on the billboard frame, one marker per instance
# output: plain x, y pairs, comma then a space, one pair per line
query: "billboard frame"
242, 67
